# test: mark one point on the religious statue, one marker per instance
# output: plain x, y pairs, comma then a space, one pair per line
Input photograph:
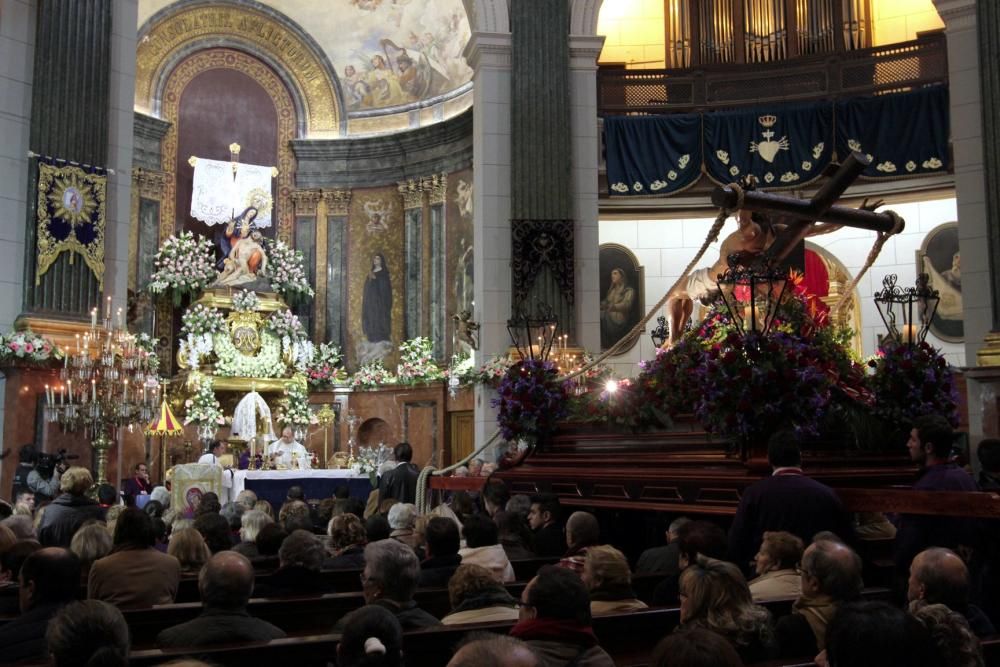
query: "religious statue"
246, 255
466, 330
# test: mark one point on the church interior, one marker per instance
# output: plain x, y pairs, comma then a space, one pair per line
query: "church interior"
598, 251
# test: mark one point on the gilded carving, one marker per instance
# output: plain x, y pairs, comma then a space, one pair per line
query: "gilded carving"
262, 33
181, 76
338, 202
412, 192
306, 201
437, 188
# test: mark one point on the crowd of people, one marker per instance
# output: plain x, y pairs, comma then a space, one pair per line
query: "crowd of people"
70, 566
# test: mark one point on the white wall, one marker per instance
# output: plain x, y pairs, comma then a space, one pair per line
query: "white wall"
664, 247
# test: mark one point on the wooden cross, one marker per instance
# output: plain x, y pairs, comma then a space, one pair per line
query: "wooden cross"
803, 213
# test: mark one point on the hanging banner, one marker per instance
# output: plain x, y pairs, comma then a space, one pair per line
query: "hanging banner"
652, 155
222, 191
784, 146
904, 134
71, 208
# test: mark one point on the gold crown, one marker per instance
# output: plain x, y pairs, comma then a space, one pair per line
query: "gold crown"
767, 121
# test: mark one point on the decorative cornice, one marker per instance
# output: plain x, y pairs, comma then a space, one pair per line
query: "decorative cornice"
957, 14
488, 49
338, 202
305, 201
149, 127
584, 51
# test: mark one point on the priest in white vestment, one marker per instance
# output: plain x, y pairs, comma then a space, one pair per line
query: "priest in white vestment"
287, 453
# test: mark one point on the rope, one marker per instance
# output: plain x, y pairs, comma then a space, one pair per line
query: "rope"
713, 236
431, 470
873, 254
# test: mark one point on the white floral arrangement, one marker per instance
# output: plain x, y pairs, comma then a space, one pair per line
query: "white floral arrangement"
286, 324
370, 459
245, 300
462, 370
294, 409
27, 346
200, 324
146, 346
303, 352
267, 363
286, 271
185, 264
325, 365
372, 374
203, 408
493, 371
416, 361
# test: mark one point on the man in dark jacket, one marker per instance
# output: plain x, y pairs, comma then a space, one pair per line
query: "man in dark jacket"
225, 585
70, 510
400, 482
49, 579
389, 580
787, 500
930, 444
543, 517
940, 576
442, 559
300, 559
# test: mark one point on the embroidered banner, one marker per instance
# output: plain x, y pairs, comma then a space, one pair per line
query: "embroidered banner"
218, 195
783, 146
652, 155
71, 207
904, 134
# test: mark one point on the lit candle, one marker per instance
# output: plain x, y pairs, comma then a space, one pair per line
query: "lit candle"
47, 401
69, 391
107, 313
93, 318
909, 333
62, 395
121, 319
93, 390
125, 391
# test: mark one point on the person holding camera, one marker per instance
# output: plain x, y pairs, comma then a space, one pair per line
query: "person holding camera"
25, 466
70, 510
43, 481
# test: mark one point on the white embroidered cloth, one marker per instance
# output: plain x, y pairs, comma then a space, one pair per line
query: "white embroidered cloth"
213, 192
245, 417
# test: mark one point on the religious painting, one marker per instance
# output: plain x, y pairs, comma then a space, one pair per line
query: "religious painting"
376, 278
191, 481
622, 282
939, 258
459, 268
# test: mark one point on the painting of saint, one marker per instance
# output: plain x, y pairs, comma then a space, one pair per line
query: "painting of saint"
376, 312
940, 259
621, 284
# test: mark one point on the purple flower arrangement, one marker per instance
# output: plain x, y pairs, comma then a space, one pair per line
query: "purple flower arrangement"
912, 380
531, 401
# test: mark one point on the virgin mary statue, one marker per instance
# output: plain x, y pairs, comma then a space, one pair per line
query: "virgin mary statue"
376, 304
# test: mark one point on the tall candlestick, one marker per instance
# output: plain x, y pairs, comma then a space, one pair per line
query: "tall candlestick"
47, 402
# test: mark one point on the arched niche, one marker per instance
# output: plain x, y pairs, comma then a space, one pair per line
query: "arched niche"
374, 431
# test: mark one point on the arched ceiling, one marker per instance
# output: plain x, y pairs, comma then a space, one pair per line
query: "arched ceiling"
387, 54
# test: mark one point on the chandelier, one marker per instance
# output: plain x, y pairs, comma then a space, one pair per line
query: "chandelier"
109, 382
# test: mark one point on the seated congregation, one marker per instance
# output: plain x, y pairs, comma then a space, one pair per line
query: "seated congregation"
492, 579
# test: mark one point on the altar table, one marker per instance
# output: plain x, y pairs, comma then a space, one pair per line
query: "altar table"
272, 485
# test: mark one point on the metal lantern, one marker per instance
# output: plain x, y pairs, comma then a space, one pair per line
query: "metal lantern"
906, 312
660, 334
752, 295
533, 333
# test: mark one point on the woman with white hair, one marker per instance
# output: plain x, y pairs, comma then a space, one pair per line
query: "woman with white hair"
251, 523
403, 521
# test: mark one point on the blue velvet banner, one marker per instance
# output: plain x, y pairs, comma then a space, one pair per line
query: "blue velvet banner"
783, 145
652, 155
904, 134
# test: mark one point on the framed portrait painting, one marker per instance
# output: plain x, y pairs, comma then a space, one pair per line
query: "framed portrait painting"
622, 291
939, 258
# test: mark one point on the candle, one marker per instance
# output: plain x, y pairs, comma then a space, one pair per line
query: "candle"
93, 390
62, 395
909, 333
93, 318
121, 319
107, 313
69, 391
125, 391
47, 402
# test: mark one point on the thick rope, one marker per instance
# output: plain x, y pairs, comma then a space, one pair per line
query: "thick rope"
431, 470
873, 254
713, 235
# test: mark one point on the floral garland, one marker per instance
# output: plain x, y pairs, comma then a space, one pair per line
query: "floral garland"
531, 401
325, 366
286, 271
493, 371
245, 300
28, 347
294, 408
185, 264
416, 362
203, 408
372, 374
912, 380
232, 363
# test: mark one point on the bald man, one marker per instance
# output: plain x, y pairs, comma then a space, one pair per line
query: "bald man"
582, 532
939, 576
225, 584
831, 575
489, 650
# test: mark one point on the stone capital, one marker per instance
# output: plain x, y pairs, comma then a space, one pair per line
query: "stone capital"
338, 202
305, 201
489, 50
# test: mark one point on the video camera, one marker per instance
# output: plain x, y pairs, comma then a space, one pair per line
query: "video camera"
46, 463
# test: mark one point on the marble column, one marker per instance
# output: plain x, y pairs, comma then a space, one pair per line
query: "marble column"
586, 147
489, 55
